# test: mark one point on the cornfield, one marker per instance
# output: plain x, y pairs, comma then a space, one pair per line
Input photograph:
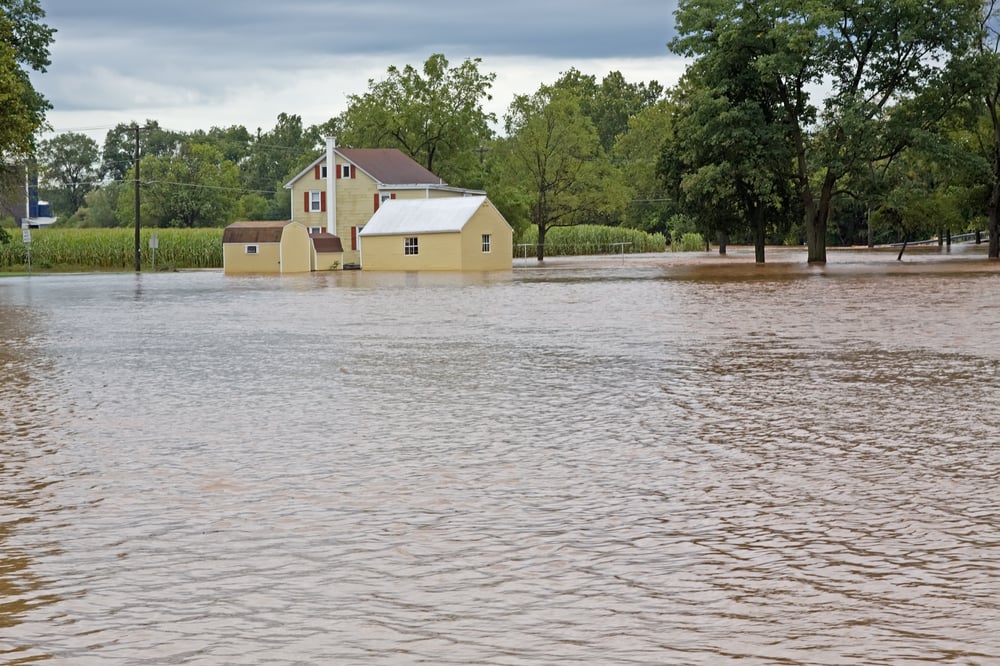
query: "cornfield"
589, 239
112, 249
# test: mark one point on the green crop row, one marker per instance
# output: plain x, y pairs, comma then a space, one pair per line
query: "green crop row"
589, 239
112, 249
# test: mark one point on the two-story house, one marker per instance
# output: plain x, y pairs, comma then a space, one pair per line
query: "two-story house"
363, 178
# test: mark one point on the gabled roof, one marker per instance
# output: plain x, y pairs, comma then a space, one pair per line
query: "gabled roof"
390, 166
263, 231
423, 216
386, 166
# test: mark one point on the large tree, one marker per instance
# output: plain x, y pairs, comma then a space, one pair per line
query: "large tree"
24, 45
69, 164
435, 115
552, 161
195, 188
119, 146
274, 157
989, 49
867, 55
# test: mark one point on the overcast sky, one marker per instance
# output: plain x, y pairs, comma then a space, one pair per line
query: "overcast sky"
195, 64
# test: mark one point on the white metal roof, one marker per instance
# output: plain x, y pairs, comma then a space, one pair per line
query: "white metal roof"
422, 216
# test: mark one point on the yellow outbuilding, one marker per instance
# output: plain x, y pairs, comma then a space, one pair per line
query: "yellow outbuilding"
267, 247
465, 233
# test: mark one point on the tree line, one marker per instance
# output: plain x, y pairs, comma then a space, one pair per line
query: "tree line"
799, 122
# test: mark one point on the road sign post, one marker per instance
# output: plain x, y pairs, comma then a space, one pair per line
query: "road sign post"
154, 242
26, 237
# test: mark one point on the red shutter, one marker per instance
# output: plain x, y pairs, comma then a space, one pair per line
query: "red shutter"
336, 167
316, 171
392, 196
322, 202
354, 238
354, 171
307, 202
376, 202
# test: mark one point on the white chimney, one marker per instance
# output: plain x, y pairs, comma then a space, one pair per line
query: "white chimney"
331, 189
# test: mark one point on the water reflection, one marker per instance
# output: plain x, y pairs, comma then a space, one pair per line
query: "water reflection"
655, 463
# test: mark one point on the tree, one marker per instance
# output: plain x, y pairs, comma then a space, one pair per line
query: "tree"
69, 164
118, 155
275, 157
196, 188
553, 161
636, 153
435, 116
989, 50
870, 55
24, 43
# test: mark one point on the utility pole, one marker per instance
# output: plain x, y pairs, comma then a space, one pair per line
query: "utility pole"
136, 128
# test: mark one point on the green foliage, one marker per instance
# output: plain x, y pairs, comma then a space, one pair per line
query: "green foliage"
118, 154
589, 239
553, 162
114, 249
435, 116
69, 167
24, 45
195, 188
688, 242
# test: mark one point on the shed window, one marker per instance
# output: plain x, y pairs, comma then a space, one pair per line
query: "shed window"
486, 243
250, 249
410, 245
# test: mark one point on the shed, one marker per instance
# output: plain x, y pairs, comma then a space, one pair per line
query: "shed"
327, 252
266, 247
449, 234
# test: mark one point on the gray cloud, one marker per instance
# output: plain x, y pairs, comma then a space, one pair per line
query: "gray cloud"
117, 54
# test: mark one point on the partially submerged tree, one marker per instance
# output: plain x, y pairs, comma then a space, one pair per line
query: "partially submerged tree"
553, 158
869, 55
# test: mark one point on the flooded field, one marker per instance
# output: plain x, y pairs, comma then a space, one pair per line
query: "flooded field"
678, 459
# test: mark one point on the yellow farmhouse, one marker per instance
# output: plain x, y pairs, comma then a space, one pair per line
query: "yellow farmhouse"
455, 234
363, 179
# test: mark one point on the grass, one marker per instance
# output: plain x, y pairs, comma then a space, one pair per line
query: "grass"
591, 239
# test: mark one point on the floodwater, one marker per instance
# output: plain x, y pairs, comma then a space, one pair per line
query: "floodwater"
679, 459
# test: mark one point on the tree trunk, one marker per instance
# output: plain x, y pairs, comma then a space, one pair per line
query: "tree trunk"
816, 220
723, 242
541, 242
759, 235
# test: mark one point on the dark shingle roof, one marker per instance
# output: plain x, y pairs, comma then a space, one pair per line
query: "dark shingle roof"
390, 166
267, 231
324, 242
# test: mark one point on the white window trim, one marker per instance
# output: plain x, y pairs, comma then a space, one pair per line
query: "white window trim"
408, 246
315, 201
487, 243
322, 171
345, 171
251, 249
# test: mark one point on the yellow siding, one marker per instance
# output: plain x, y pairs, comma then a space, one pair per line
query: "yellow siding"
296, 249
327, 261
236, 260
436, 252
487, 220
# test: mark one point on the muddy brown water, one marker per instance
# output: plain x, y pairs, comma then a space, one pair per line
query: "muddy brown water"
678, 459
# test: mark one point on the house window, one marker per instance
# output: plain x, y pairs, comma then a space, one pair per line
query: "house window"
486, 243
315, 230
410, 245
322, 171
250, 249
315, 202
345, 170
384, 196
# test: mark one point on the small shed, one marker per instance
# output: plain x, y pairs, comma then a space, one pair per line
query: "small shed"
266, 247
327, 252
447, 234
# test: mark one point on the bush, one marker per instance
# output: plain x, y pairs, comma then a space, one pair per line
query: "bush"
688, 242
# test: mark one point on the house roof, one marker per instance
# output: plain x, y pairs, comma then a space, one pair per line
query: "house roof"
264, 231
324, 242
423, 216
386, 166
